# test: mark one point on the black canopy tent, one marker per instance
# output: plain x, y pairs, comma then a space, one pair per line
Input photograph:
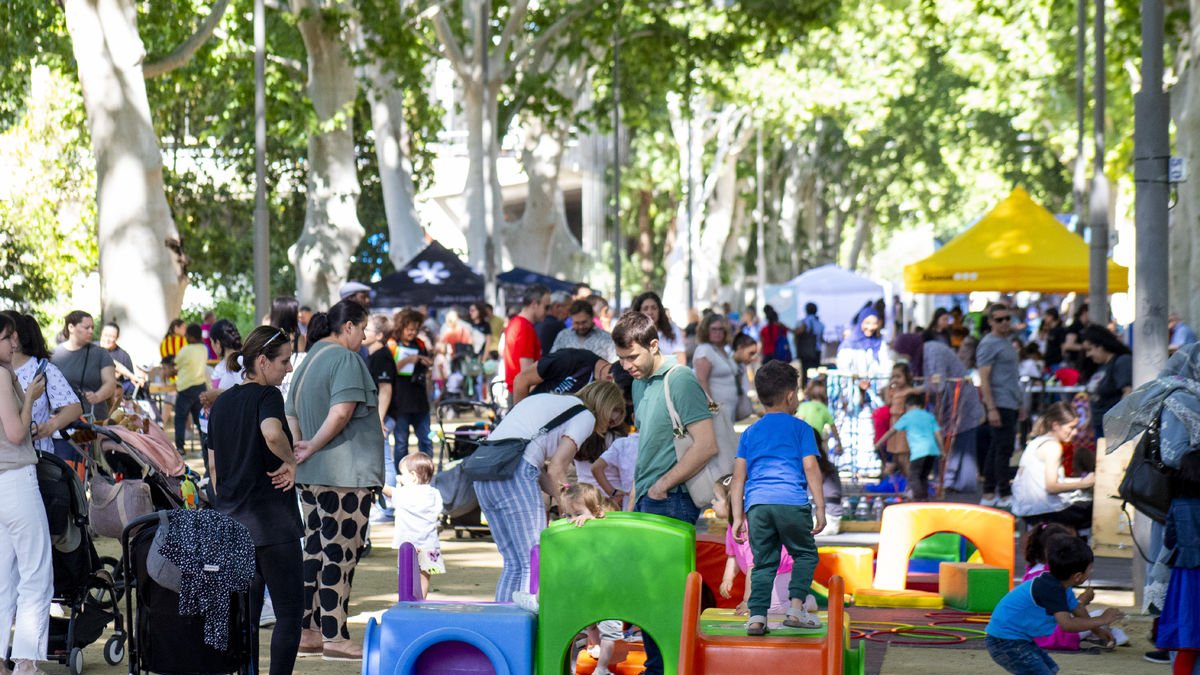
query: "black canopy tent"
434, 277
519, 278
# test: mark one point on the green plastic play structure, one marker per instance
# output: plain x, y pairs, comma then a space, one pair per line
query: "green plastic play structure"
629, 566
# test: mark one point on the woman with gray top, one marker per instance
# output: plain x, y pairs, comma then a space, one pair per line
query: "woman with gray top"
89, 369
332, 411
26, 569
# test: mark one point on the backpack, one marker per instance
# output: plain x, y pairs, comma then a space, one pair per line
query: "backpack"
783, 349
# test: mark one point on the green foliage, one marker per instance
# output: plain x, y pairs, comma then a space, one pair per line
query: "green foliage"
47, 197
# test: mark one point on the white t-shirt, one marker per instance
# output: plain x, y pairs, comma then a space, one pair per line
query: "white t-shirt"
621, 458
223, 379
58, 396
583, 471
418, 508
669, 346
526, 417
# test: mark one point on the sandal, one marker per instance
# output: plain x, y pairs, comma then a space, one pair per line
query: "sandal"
801, 619
761, 623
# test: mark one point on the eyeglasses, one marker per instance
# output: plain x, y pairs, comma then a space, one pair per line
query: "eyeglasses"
1001, 319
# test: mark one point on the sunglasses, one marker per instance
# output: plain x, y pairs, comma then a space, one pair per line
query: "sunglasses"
1001, 319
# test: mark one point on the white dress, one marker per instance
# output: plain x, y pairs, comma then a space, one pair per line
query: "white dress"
418, 508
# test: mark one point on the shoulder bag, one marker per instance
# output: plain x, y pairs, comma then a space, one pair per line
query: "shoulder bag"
498, 459
700, 485
1147, 482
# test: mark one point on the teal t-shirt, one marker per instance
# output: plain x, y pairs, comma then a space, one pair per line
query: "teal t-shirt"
920, 427
656, 438
331, 374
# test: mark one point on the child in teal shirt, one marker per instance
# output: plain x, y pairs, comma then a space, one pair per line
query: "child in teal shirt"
924, 438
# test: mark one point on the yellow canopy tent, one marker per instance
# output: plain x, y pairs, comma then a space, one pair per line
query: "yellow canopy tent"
1017, 246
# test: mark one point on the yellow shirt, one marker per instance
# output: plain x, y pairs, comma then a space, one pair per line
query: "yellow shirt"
191, 364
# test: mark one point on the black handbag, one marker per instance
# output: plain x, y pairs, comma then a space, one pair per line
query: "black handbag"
498, 459
1147, 481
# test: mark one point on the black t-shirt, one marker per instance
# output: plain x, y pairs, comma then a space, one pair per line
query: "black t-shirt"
566, 371
409, 394
1054, 342
548, 329
1076, 359
1110, 381
383, 370
1049, 594
242, 461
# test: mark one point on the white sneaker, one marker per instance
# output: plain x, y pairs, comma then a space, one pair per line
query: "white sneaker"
526, 601
1004, 503
987, 501
268, 613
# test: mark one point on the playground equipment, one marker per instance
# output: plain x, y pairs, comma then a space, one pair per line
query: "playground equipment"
413, 638
629, 566
854, 564
715, 641
973, 588
710, 563
903, 525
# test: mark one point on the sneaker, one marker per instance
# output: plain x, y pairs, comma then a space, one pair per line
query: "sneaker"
526, 601
988, 501
1004, 503
267, 618
1158, 656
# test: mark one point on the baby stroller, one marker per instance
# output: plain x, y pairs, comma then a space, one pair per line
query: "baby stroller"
176, 643
462, 512
83, 581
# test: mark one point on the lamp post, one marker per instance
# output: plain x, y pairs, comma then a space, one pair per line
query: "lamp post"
1098, 207
262, 260
618, 240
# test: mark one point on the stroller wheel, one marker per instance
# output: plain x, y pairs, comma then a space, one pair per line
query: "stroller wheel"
114, 650
75, 661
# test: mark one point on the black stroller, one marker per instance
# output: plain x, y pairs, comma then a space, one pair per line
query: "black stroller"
175, 644
83, 581
462, 512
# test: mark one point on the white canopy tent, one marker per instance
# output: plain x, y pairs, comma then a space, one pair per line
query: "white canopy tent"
838, 293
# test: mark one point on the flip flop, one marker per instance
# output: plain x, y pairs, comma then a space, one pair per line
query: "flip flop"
761, 622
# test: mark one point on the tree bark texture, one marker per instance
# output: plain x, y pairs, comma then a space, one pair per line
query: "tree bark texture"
331, 234
143, 271
1184, 256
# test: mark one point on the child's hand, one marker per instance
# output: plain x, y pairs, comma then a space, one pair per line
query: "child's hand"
726, 589
818, 522
1105, 633
1112, 614
739, 529
1086, 597
582, 518
742, 609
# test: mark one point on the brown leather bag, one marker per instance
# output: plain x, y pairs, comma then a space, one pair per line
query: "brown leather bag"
115, 504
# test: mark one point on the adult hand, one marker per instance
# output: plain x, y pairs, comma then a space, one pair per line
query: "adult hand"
37, 387
739, 529
303, 450
993, 417
207, 398
284, 477
93, 397
657, 491
41, 431
818, 522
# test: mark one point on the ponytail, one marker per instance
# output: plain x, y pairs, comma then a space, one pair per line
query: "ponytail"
1058, 413
324, 324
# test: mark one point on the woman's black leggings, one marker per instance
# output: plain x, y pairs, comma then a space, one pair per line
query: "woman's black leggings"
279, 570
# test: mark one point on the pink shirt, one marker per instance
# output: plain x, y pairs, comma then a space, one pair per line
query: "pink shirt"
745, 557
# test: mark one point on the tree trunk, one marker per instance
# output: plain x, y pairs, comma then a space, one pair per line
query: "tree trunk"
331, 231
540, 241
143, 271
862, 229
645, 240
1184, 256
406, 237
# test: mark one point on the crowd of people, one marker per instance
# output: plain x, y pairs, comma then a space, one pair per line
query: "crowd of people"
305, 428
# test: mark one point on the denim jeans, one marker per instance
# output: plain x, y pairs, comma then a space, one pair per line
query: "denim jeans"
677, 505
419, 423
1020, 657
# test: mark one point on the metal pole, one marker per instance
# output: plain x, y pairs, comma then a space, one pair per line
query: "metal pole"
262, 261
489, 139
691, 202
618, 240
1079, 184
1098, 206
1151, 148
760, 173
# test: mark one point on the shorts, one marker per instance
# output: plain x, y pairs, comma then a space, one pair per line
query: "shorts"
611, 629
430, 561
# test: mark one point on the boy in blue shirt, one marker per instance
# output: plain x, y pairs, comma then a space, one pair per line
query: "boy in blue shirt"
1035, 607
924, 438
776, 462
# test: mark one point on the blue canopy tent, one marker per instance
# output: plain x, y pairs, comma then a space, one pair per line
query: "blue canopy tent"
521, 277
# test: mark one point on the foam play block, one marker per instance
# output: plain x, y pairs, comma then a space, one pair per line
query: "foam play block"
971, 587
923, 582
875, 597
421, 637
852, 563
718, 621
904, 525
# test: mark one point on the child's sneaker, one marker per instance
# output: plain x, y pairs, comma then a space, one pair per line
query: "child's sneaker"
526, 601
802, 619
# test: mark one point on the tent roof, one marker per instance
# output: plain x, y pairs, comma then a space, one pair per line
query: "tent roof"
434, 277
833, 280
1017, 246
519, 276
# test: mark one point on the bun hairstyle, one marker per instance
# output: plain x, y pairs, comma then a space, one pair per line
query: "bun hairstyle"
267, 341
324, 324
226, 334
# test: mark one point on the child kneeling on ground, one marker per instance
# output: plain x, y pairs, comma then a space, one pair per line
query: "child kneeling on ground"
1034, 608
776, 462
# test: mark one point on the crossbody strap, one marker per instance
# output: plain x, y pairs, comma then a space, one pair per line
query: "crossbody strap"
676, 422
560, 420
307, 365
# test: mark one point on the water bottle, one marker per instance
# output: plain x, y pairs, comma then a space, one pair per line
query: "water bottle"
877, 509
847, 509
863, 510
